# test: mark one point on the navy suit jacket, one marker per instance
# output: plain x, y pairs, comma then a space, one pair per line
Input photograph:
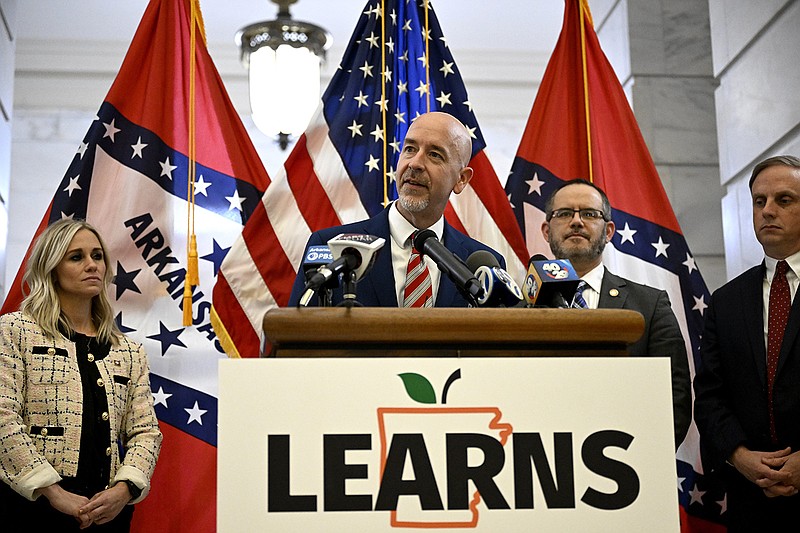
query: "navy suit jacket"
730, 388
377, 287
662, 336
731, 383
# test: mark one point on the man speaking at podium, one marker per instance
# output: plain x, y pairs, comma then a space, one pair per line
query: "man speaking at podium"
577, 226
433, 163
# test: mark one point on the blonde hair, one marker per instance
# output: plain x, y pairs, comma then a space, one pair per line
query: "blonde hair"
42, 302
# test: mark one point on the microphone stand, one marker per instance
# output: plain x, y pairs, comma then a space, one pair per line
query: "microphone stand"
349, 290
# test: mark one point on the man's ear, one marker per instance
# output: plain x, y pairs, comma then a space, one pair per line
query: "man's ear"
546, 231
464, 175
610, 229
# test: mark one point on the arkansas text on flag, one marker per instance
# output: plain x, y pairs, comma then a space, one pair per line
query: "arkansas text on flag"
129, 179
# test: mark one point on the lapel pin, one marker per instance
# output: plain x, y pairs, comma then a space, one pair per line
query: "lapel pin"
613, 292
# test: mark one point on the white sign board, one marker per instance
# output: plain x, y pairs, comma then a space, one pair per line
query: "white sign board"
488, 444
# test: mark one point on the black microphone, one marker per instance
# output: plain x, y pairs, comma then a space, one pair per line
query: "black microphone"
317, 256
354, 253
450, 264
550, 282
500, 289
349, 260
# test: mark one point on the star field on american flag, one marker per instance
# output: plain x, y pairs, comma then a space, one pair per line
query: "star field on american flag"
374, 104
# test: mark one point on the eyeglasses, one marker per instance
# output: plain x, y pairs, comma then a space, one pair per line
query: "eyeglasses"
585, 214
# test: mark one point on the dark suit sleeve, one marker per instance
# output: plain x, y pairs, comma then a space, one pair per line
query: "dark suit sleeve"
300, 279
720, 430
666, 339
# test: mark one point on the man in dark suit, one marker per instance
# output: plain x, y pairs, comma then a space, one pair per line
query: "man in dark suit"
432, 165
747, 388
578, 225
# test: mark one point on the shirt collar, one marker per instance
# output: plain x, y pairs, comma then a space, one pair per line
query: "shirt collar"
400, 228
793, 260
594, 278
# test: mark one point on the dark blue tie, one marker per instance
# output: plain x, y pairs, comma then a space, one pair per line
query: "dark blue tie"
577, 301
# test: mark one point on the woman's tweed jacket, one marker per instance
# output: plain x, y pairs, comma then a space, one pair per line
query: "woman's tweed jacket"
40, 409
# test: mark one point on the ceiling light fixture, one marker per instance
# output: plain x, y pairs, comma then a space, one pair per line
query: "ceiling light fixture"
284, 57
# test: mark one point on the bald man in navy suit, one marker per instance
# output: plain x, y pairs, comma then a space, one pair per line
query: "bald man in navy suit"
433, 164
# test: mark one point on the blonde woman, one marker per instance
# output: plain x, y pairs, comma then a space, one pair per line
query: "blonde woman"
79, 437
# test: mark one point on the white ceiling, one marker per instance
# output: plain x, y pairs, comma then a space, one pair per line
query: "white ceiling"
522, 25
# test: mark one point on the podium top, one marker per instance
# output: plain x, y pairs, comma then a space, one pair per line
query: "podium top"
443, 332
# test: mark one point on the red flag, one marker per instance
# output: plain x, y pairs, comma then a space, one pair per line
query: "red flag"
581, 126
342, 168
129, 178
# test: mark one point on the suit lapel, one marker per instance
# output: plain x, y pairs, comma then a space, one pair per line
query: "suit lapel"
610, 284
752, 312
380, 281
447, 292
790, 335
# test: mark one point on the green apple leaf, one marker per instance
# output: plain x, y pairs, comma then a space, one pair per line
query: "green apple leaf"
419, 388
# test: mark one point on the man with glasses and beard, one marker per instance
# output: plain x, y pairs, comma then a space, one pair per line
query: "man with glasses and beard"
578, 225
433, 164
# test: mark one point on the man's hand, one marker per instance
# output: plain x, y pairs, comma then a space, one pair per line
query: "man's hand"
66, 502
106, 505
765, 469
789, 467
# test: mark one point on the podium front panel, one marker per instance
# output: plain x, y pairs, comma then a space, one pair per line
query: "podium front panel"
489, 444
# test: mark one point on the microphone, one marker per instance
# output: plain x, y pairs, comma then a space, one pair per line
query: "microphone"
317, 256
352, 253
550, 282
364, 246
500, 290
450, 264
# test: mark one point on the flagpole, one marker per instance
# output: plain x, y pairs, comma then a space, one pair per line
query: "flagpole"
383, 102
584, 10
192, 276
425, 36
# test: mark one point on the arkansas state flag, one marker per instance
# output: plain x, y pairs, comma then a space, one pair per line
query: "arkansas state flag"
129, 178
581, 126
396, 67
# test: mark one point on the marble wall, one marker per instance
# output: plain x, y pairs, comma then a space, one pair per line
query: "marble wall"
661, 51
755, 47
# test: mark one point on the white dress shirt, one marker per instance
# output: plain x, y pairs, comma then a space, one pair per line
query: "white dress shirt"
400, 230
594, 282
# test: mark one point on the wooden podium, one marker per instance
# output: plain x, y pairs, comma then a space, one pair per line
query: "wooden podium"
449, 332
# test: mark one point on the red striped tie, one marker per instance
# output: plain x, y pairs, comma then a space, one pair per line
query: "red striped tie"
780, 302
418, 291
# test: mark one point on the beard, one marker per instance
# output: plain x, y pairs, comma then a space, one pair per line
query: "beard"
595, 248
411, 202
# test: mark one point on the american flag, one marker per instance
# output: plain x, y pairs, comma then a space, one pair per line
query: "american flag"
648, 246
129, 178
396, 67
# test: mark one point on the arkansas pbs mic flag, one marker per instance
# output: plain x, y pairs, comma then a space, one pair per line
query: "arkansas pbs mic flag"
129, 178
582, 126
